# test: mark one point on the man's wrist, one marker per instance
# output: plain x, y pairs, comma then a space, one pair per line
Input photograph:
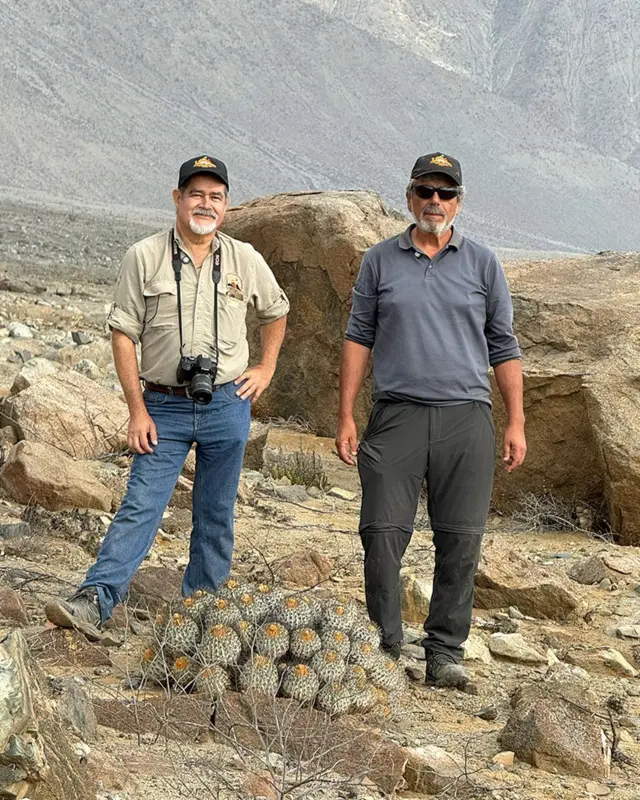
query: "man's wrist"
516, 420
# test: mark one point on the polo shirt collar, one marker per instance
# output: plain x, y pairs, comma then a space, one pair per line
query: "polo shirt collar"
406, 243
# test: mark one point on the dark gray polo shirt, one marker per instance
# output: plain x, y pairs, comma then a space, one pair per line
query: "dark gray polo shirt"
435, 326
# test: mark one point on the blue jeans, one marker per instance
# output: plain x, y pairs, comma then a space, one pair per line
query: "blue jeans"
221, 430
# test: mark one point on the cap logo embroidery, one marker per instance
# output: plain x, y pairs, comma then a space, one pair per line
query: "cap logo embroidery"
441, 161
205, 163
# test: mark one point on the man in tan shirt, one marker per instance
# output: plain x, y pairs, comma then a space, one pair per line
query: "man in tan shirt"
182, 295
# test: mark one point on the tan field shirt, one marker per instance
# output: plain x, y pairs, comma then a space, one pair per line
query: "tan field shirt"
145, 304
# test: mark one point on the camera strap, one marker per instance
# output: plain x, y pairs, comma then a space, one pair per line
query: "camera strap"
176, 263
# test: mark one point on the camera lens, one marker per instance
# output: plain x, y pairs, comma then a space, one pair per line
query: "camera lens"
201, 389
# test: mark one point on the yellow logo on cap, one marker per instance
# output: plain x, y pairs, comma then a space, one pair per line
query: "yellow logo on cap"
205, 162
441, 161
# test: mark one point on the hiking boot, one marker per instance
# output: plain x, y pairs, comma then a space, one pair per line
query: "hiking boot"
444, 670
392, 650
81, 611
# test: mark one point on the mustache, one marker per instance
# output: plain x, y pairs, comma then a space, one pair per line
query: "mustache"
204, 212
432, 209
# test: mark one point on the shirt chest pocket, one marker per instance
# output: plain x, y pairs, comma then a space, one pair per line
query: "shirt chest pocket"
161, 303
232, 316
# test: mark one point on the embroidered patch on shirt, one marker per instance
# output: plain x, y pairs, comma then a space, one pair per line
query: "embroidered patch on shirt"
234, 286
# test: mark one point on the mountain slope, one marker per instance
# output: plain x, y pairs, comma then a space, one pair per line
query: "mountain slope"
101, 102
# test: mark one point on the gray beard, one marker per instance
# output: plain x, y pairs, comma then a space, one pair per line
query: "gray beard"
432, 226
203, 230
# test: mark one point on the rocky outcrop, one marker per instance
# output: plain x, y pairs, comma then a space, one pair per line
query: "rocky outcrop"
36, 756
70, 412
39, 473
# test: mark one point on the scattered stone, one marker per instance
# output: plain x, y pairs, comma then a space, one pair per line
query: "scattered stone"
17, 330
489, 713
34, 750
553, 726
79, 337
259, 787
24, 355
622, 563
515, 613
616, 703
88, 368
303, 568
514, 647
416, 596
36, 472
628, 631
154, 587
588, 571
603, 661
598, 789
414, 674
62, 291
506, 758
605, 585
12, 606
431, 770
31, 372
14, 530
68, 648
75, 705
633, 690
413, 651
341, 494
292, 494
315, 492
82, 750
504, 578
71, 412
475, 649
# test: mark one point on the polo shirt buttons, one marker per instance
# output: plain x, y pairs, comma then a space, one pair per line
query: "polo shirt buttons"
417, 254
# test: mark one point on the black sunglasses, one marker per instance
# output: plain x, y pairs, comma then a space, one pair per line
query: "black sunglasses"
443, 192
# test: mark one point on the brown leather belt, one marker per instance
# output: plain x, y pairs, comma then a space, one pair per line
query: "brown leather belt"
159, 387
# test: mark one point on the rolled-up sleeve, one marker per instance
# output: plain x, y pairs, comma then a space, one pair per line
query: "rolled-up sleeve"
501, 340
361, 327
268, 299
128, 308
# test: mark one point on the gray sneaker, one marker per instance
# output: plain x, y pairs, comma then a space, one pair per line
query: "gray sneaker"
444, 670
81, 611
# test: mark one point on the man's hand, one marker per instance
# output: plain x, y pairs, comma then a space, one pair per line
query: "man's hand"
142, 436
515, 446
256, 380
347, 440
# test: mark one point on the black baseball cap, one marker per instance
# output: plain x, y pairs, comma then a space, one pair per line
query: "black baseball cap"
438, 162
205, 165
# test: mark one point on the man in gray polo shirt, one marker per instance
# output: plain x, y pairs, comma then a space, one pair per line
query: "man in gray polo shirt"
435, 309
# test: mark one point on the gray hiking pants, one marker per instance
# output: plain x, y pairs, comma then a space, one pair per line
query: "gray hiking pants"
453, 447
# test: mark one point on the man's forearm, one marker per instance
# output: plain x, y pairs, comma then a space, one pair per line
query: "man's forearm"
124, 355
509, 379
353, 369
271, 338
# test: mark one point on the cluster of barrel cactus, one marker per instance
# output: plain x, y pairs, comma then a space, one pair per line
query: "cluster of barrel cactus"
255, 638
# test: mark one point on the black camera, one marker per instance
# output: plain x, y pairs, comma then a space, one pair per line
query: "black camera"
200, 373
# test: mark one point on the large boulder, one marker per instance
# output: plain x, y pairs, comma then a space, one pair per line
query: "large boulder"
578, 324
71, 412
39, 473
313, 242
36, 753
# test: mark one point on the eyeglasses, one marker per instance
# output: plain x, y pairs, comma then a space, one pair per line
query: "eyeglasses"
443, 192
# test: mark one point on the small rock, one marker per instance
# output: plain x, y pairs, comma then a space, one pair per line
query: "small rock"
605, 585
628, 631
17, 330
415, 596
506, 758
283, 481
633, 690
315, 492
12, 607
293, 494
413, 651
303, 568
616, 703
515, 648
341, 494
414, 674
101, 671
88, 368
82, 750
79, 337
24, 355
624, 564
62, 291
431, 770
13, 530
475, 649
489, 713
588, 571
598, 789
515, 613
